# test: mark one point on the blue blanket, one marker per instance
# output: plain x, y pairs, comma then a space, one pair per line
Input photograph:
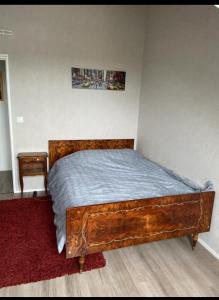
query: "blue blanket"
101, 176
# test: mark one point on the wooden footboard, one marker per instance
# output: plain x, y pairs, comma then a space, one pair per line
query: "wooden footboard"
104, 227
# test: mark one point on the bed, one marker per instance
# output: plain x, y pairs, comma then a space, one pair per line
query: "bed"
102, 198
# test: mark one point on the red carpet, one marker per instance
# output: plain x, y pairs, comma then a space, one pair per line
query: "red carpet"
28, 251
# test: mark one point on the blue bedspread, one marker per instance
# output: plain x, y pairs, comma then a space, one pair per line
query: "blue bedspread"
100, 176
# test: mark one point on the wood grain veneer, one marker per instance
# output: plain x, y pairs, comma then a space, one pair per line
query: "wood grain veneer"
104, 227
59, 149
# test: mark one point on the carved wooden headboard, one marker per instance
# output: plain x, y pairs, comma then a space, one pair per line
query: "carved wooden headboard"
59, 149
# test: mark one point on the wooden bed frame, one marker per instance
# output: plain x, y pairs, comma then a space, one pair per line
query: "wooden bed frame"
96, 228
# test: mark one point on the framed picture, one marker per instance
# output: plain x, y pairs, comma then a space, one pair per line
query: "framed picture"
98, 79
1, 87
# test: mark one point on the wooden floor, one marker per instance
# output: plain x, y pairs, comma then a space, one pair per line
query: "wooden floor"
164, 268
6, 185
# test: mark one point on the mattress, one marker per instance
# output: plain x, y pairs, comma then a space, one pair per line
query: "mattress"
104, 176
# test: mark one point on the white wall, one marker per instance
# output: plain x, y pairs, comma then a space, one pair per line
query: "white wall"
5, 150
179, 108
47, 42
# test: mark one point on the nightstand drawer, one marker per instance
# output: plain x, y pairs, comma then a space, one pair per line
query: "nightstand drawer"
35, 166
33, 172
28, 160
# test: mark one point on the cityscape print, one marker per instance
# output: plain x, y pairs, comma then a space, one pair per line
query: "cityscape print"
98, 79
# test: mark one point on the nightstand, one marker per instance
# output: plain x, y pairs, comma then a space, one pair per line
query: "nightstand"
32, 164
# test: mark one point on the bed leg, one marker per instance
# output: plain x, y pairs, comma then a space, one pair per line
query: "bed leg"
194, 240
81, 263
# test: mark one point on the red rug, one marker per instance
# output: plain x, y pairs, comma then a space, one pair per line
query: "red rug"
28, 251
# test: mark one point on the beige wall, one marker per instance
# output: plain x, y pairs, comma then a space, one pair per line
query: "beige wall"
179, 108
5, 150
47, 42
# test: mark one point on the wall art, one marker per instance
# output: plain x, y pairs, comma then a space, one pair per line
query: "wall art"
98, 79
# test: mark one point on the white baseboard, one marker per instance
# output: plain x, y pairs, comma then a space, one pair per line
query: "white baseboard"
208, 248
29, 191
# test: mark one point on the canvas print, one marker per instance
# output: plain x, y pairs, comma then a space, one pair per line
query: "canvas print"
1, 87
98, 79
